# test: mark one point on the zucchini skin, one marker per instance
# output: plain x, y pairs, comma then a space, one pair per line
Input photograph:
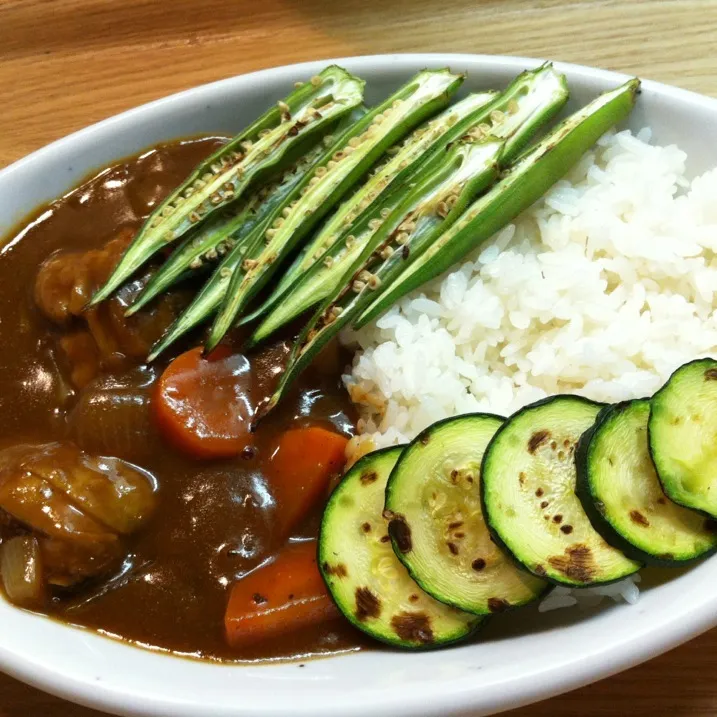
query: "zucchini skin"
668, 480
366, 464
424, 438
487, 514
590, 502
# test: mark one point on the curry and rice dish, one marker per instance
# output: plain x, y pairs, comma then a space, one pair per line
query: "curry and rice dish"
255, 393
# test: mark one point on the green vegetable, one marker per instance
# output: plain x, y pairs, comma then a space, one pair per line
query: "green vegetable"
201, 249
272, 141
623, 498
437, 526
515, 115
682, 429
366, 580
399, 170
357, 150
524, 183
279, 195
438, 200
528, 489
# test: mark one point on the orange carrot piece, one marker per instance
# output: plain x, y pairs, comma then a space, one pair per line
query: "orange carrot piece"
201, 404
278, 598
300, 468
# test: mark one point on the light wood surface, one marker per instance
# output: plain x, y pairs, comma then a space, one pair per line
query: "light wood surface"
67, 63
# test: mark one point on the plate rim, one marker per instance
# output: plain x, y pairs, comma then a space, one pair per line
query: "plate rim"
525, 688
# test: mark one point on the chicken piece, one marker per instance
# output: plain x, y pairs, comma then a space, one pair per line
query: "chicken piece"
100, 338
78, 507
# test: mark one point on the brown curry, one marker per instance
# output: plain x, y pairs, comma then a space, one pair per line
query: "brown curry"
149, 556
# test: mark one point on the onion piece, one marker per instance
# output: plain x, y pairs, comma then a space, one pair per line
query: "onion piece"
21, 569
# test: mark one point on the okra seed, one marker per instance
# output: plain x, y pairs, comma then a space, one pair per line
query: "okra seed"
298, 84
320, 171
316, 81
225, 272
497, 116
249, 264
354, 142
385, 212
211, 254
194, 217
374, 282
512, 107
285, 212
358, 286
329, 262
402, 238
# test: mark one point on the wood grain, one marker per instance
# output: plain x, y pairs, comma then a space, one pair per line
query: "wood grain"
68, 63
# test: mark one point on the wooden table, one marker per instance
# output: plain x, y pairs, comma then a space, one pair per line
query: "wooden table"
67, 63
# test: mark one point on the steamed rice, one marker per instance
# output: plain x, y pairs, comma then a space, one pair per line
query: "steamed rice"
602, 289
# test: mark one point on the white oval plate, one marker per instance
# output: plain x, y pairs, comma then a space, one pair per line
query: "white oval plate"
520, 659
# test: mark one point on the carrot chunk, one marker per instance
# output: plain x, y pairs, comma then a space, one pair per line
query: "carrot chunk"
202, 406
302, 463
285, 595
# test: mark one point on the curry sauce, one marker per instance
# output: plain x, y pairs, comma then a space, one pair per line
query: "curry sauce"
66, 379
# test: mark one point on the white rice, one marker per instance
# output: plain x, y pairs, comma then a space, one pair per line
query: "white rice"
601, 289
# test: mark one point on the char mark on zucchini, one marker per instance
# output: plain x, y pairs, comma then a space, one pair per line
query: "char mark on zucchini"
378, 596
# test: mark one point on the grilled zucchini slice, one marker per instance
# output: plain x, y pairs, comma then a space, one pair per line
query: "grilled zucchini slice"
528, 488
437, 521
681, 430
366, 580
620, 492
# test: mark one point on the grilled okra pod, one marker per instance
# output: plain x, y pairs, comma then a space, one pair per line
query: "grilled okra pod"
524, 183
529, 102
213, 241
279, 195
274, 139
354, 153
456, 177
393, 173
